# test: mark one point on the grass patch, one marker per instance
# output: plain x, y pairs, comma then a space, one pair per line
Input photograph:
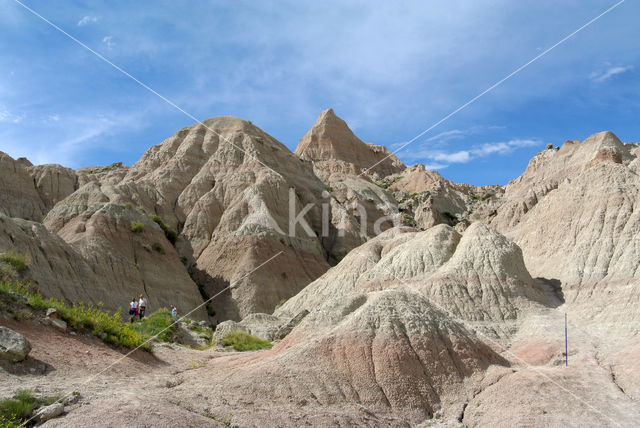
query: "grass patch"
147, 247
18, 409
157, 246
410, 220
15, 411
16, 261
81, 316
172, 235
383, 185
281, 302
449, 215
159, 322
413, 195
475, 197
242, 341
329, 189
137, 227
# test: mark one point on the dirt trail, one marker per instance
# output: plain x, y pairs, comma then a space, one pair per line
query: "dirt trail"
115, 391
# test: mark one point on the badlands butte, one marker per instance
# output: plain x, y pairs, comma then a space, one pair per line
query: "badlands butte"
453, 315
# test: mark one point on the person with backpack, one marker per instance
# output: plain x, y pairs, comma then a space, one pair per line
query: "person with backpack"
142, 307
133, 309
174, 313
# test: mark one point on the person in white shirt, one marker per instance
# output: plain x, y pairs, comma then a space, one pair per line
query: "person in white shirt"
142, 306
133, 309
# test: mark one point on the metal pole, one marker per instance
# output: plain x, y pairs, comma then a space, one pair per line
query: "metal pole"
566, 346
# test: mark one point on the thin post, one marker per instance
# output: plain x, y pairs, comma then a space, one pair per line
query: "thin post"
566, 346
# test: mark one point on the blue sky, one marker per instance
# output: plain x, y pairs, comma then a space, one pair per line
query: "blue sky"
390, 69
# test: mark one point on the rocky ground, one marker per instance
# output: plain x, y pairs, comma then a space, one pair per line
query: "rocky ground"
527, 385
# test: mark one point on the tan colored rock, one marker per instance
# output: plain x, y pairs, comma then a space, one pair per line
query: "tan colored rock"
581, 228
334, 148
54, 183
430, 199
386, 351
225, 186
263, 326
485, 279
18, 195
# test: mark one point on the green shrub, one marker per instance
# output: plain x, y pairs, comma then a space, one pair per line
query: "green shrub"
383, 185
329, 189
172, 235
81, 316
128, 205
159, 323
413, 195
157, 246
449, 215
475, 197
16, 261
137, 227
15, 411
147, 247
242, 341
18, 409
410, 220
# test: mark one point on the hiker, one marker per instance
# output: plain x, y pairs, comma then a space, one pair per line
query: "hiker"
133, 309
142, 307
174, 313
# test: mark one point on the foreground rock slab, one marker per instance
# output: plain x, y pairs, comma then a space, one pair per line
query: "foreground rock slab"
14, 347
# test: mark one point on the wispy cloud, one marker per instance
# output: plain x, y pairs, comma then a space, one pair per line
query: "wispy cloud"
108, 40
599, 77
9, 117
443, 138
440, 159
86, 20
448, 135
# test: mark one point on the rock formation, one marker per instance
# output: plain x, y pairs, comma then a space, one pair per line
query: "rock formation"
334, 148
394, 292
18, 195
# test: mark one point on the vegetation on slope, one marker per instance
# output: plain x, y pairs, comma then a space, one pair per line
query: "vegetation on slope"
172, 235
81, 316
159, 323
15, 411
242, 341
13, 261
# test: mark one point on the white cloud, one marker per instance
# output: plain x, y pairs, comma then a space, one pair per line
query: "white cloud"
462, 156
599, 77
448, 135
9, 117
86, 20
435, 166
108, 40
442, 159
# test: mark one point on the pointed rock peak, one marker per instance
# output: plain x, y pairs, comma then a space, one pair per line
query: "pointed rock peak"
330, 141
604, 139
333, 129
327, 113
